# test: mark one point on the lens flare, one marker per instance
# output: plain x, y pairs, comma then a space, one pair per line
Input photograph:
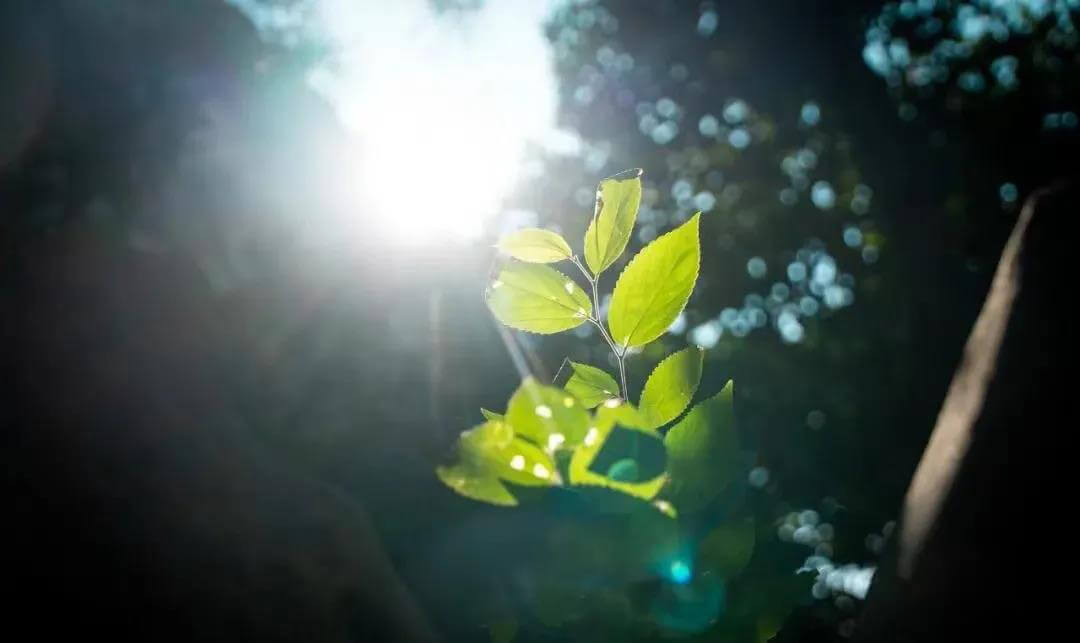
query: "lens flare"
680, 572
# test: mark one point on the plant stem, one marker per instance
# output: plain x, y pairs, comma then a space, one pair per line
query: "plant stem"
622, 374
595, 319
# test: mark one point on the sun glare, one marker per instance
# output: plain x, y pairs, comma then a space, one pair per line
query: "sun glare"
441, 106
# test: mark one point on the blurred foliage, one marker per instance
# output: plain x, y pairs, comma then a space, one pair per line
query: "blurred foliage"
974, 56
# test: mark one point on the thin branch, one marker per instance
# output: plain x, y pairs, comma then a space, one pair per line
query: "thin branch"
595, 319
565, 361
622, 375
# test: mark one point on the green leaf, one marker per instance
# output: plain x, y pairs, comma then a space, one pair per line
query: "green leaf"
727, 549
493, 448
591, 385
475, 484
671, 386
534, 245
548, 416
606, 419
491, 453
537, 298
490, 415
654, 287
702, 451
621, 413
617, 202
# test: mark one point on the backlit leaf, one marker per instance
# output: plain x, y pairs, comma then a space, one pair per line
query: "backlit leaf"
537, 298
548, 416
490, 415
493, 448
591, 385
617, 202
671, 386
535, 246
606, 419
654, 287
702, 451
475, 484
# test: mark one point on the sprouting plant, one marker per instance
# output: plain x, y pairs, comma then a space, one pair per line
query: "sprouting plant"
551, 436
688, 534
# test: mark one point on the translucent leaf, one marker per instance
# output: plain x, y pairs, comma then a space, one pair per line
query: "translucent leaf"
535, 246
490, 415
548, 416
727, 549
623, 414
605, 421
654, 287
617, 202
702, 451
475, 484
494, 449
671, 386
537, 298
591, 385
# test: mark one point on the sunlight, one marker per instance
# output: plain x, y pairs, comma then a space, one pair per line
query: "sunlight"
442, 106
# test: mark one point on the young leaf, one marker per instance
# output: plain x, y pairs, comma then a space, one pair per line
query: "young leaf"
493, 448
490, 415
534, 245
591, 385
702, 451
548, 416
537, 298
727, 549
671, 386
617, 202
654, 287
607, 417
490, 453
475, 484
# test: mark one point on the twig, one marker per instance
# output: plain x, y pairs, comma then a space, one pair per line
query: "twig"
620, 357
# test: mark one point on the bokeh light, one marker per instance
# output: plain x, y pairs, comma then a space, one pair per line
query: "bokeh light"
970, 48
680, 572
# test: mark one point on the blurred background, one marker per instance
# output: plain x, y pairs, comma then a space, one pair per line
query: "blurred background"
244, 244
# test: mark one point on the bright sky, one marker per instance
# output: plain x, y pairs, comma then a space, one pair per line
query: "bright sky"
441, 104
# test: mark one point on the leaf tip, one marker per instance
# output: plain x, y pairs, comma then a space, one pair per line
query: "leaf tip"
626, 175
